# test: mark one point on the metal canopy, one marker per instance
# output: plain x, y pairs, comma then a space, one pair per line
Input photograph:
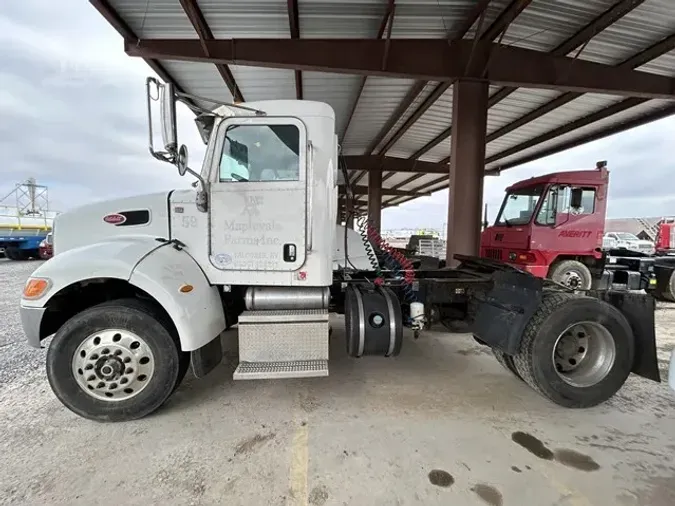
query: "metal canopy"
562, 72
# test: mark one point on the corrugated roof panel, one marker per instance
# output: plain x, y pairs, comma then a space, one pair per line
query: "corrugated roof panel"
257, 83
245, 18
378, 101
435, 119
330, 19
432, 19
598, 126
155, 18
417, 183
337, 90
199, 79
438, 152
397, 178
663, 65
579, 108
517, 105
637, 30
544, 25
430, 86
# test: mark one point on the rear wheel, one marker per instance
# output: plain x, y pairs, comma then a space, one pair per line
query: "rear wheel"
506, 361
577, 351
115, 361
572, 274
668, 291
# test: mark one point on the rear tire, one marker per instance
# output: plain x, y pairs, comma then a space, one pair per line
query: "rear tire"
507, 362
572, 274
599, 366
75, 359
668, 292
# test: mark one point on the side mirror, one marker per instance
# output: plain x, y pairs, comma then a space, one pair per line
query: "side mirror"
168, 117
182, 160
575, 198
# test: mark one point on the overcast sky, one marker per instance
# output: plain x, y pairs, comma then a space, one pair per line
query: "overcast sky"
72, 115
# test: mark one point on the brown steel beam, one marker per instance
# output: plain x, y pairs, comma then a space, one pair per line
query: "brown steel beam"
389, 14
633, 123
363, 190
375, 199
660, 48
111, 16
196, 17
371, 163
581, 37
294, 25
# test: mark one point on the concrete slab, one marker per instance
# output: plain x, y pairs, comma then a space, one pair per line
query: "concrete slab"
435, 425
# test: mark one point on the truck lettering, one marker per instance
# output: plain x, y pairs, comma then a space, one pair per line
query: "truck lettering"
575, 233
252, 226
261, 240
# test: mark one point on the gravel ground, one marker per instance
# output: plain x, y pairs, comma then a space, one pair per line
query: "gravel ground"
441, 424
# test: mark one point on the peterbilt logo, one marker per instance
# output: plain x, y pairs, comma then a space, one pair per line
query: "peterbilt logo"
115, 218
575, 233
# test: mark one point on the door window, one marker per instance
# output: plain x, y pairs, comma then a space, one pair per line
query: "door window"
260, 153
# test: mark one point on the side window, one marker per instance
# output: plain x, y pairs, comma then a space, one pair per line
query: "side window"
587, 201
260, 153
547, 212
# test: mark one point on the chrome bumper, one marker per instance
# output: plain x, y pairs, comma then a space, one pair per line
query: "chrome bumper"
31, 319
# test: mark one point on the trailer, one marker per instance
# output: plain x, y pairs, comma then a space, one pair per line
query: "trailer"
140, 289
25, 220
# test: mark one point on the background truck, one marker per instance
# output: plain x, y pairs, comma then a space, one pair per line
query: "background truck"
553, 227
25, 220
140, 289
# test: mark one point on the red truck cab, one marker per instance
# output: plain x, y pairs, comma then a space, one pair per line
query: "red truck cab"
552, 225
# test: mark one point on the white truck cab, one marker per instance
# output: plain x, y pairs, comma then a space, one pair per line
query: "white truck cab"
141, 288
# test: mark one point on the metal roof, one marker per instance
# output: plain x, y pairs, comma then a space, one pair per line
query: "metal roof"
410, 118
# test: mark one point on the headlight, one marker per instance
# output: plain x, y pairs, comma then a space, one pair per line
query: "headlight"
36, 288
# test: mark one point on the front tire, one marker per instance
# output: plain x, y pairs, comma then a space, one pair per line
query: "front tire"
116, 361
577, 351
572, 274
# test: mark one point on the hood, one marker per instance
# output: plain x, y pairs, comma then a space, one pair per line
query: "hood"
515, 237
139, 215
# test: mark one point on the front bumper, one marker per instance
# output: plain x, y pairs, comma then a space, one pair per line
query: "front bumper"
31, 319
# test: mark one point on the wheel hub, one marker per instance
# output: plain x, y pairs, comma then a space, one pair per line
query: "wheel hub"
572, 279
113, 365
584, 354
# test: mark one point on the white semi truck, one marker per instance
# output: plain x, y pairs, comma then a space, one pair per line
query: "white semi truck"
140, 289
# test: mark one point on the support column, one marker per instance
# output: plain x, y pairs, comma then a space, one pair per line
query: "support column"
467, 168
375, 198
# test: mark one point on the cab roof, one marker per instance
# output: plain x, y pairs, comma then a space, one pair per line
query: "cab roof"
577, 177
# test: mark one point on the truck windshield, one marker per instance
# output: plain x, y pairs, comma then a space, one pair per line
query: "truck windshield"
519, 205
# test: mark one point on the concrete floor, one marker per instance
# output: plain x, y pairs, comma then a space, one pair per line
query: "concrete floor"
441, 424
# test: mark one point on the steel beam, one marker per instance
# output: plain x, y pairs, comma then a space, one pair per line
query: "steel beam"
388, 18
370, 163
581, 37
294, 25
375, 199
465, 201
363, 190
430, 59
204, 33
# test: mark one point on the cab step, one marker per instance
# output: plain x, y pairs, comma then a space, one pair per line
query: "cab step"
281, 370
283, 344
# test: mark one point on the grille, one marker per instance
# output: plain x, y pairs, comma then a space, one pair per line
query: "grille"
493, 253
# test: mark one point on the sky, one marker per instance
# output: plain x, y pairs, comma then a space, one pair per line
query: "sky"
73, 116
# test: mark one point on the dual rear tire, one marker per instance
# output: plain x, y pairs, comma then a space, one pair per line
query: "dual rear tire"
117, 361
576, 351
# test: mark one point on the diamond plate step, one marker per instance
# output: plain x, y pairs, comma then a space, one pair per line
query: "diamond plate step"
280, 370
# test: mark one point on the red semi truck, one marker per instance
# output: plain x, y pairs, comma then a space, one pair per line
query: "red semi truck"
552, 226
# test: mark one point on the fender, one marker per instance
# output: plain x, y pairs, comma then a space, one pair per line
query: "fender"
154, 267
115, 259
198, 313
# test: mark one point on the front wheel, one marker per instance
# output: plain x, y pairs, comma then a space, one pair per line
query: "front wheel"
572, 274
113, 362
577, 351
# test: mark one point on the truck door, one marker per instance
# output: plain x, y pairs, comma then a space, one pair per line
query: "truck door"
259, 196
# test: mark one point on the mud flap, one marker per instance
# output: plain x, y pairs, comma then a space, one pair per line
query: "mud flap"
502, 313
638, 308
205, 359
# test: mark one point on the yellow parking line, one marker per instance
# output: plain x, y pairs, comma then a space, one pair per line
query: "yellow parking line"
298, 472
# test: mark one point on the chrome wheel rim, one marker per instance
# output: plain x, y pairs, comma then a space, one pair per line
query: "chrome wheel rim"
572, 279
113, 365
584, 354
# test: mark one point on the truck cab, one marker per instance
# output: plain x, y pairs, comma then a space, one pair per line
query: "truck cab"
552, 226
